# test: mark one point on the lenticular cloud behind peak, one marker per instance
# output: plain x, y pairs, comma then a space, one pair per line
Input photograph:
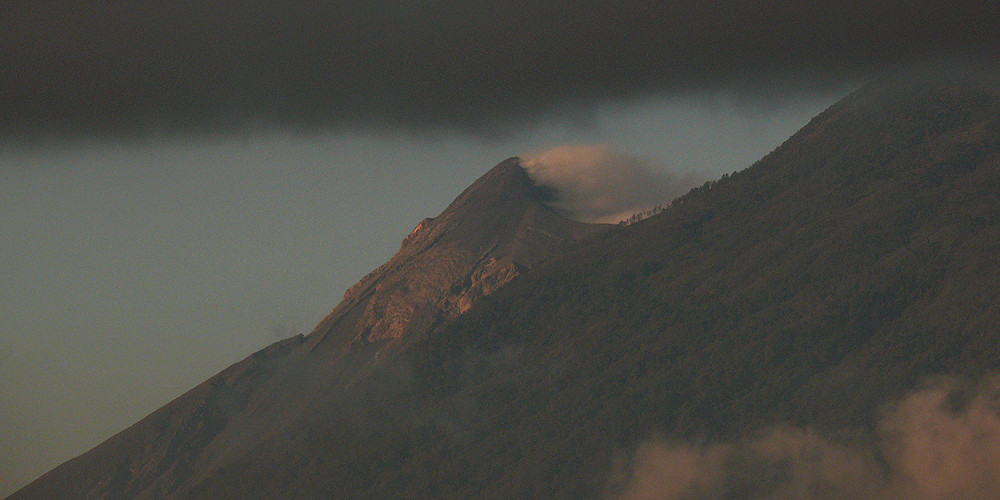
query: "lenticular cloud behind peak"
596, 183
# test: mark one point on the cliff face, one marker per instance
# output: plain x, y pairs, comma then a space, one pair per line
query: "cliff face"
495, 230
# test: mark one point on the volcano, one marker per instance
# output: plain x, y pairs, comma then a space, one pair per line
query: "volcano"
508, 352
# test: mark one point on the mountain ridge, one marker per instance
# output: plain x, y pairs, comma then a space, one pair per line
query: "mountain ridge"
811, 289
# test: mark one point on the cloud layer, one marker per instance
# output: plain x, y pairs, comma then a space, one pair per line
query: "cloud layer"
133, 67
596, 183
941, 442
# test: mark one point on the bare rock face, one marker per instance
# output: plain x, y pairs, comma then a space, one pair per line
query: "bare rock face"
493, 231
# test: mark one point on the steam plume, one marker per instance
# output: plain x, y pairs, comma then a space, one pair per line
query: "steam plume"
595, 183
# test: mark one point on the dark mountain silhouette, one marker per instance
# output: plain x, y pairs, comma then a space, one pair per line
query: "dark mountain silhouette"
810, 289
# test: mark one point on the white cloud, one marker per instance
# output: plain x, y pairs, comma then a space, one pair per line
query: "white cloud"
925, 450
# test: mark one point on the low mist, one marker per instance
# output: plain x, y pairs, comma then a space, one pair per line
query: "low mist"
596, 183
939, 442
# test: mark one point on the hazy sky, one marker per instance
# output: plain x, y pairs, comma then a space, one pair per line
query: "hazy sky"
183, 184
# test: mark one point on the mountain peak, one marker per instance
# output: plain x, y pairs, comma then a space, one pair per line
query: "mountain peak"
494, 230
508, 181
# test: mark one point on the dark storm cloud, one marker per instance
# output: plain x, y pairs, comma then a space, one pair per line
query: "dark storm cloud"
140, 66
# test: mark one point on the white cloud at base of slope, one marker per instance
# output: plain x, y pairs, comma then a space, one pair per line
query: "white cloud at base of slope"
925, 449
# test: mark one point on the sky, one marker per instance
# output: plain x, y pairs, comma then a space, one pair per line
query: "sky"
182, 184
